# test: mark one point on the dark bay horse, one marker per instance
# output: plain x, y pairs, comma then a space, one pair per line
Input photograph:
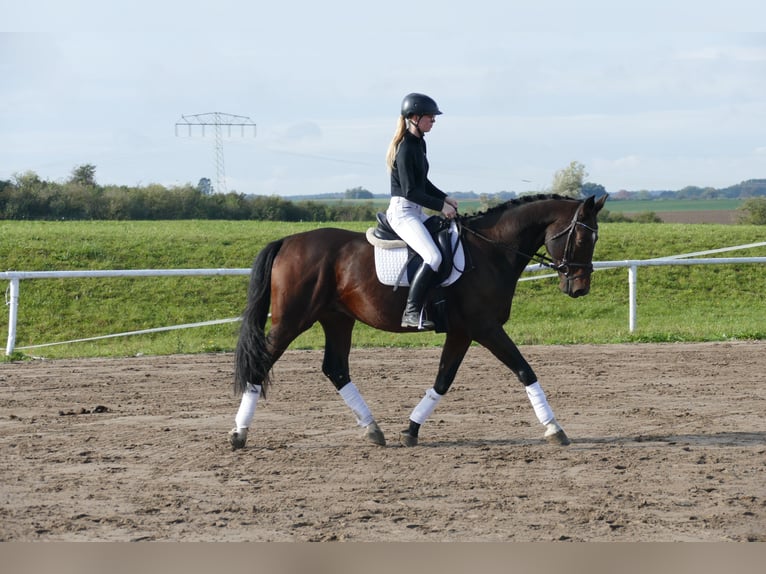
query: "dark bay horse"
328, 275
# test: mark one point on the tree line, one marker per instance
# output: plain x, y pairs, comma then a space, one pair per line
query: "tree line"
27, 196
80, 197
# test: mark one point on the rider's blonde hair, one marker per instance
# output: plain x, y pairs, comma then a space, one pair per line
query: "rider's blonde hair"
393, 147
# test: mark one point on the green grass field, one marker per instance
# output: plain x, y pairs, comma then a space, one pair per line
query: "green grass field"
696, 303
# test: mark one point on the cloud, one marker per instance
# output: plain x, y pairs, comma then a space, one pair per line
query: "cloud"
298, 132
729, 53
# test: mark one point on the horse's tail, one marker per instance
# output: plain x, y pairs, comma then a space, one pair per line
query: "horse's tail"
253, 361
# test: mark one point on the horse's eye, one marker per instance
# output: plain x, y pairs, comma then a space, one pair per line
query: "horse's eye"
583, 237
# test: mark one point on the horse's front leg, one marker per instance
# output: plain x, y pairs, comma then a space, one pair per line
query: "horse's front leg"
500, 344
453, 352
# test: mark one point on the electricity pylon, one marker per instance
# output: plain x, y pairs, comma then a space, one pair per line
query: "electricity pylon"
218, 120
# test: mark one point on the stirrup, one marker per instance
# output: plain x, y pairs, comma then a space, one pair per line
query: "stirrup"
413, 320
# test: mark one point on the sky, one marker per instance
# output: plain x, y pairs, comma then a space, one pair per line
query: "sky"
654, 95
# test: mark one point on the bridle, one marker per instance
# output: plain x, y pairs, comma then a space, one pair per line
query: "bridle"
564, 266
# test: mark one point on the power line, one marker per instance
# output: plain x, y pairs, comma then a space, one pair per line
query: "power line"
218, 121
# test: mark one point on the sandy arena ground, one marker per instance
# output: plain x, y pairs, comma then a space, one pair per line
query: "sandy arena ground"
668, 444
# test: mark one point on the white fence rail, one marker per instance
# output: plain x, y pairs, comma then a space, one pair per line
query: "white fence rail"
15, 277
633, 266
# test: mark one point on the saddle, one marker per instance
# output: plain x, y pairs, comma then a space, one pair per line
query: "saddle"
396, 262
384, 237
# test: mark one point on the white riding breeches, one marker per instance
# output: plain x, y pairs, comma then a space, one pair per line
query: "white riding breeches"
406, 218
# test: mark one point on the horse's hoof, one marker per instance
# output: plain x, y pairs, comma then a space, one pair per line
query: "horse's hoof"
237, 438
554, 434
559, 438
374, 434
407, 439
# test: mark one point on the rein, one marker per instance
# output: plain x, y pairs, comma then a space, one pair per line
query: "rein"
563, 266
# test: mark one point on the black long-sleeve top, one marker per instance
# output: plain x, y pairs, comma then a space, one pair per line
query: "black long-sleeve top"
409, 176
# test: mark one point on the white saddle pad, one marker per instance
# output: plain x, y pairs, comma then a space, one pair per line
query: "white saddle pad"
390, 262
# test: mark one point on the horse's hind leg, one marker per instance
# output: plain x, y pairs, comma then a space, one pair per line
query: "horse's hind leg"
278, 341
244, 416
337, 331
248, 404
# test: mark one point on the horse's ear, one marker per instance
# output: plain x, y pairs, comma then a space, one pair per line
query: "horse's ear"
591, 204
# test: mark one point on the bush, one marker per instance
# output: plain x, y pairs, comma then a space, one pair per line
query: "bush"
753, 211
647, 217
606, 216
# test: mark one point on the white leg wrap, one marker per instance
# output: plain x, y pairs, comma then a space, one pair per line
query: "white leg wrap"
425, 407
356, 403
540, 403
247, 406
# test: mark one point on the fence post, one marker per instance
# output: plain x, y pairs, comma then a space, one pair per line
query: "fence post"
13, 301
632, 279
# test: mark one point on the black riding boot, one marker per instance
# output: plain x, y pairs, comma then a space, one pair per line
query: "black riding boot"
419, 286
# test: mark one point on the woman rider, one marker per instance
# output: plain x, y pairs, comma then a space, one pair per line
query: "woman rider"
411, 191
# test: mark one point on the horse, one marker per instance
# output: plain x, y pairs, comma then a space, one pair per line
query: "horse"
327, 275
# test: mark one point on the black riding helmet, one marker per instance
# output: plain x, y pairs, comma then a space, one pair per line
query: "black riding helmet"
419, 105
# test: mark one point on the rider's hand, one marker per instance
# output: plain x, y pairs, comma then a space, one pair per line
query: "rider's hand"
449, 210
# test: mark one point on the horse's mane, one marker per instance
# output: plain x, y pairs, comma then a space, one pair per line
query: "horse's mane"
514, 203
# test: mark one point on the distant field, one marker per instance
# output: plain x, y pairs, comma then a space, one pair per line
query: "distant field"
664, 205
703, 216
723, 211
